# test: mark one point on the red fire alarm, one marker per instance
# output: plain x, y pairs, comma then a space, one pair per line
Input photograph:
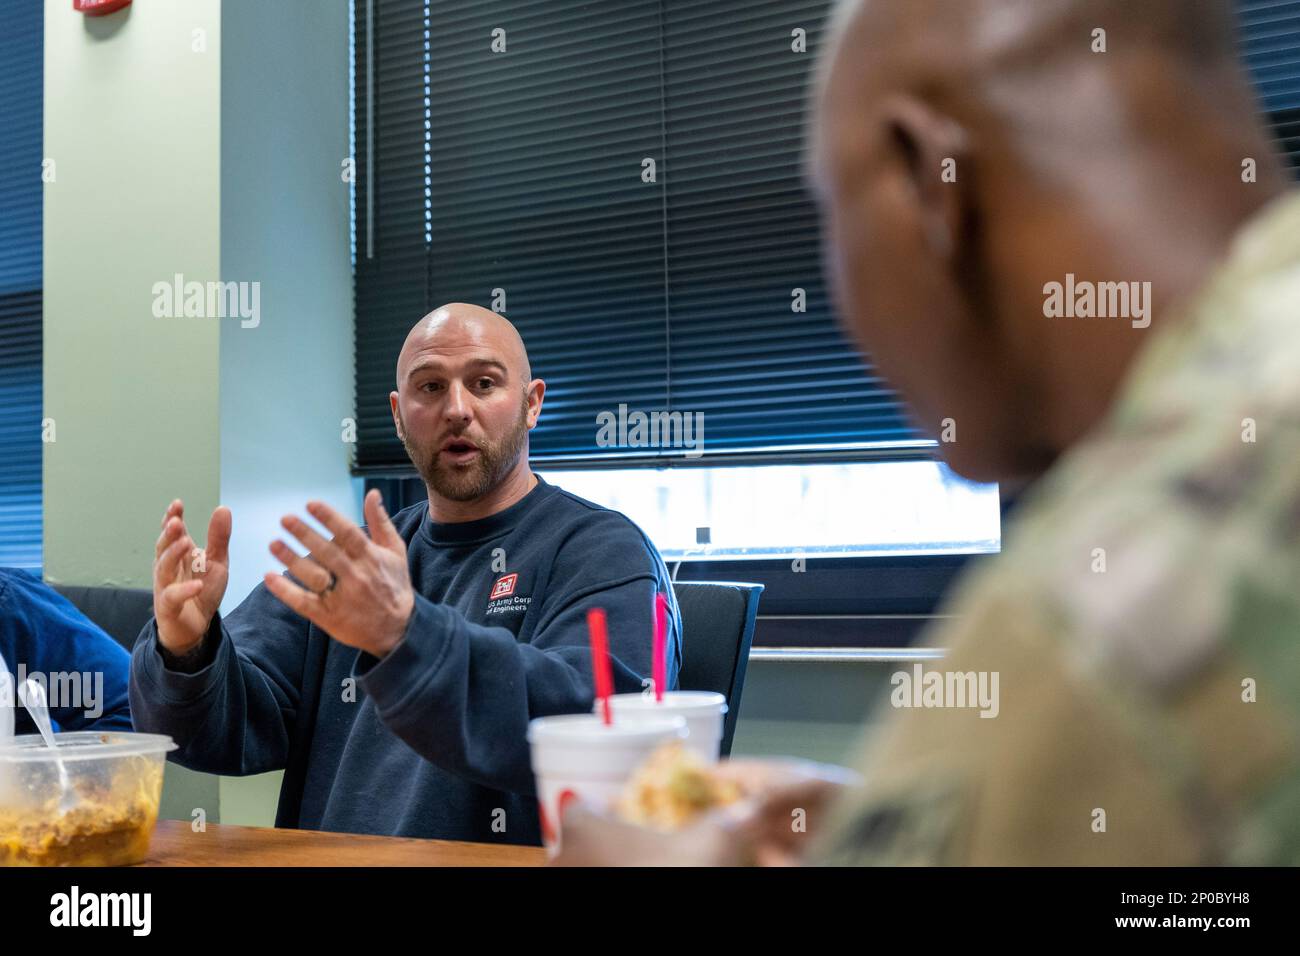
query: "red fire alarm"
99, 8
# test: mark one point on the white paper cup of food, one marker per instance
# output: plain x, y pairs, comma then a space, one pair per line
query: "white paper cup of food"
702, 710
577, 756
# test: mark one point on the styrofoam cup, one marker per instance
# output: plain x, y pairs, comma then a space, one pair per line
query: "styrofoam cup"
579, 756
703, 711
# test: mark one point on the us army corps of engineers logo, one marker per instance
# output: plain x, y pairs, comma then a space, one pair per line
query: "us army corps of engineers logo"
503, 598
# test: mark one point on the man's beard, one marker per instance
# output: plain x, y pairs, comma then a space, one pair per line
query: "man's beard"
476, 478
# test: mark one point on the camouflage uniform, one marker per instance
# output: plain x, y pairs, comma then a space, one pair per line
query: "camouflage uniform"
1148, 588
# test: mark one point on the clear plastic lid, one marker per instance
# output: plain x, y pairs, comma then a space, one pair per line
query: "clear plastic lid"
84, 745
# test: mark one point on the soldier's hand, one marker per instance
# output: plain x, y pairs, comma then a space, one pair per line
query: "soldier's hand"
590, 836
786, 806
188, 582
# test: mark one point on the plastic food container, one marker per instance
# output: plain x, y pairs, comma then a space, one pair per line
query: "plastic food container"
115, 781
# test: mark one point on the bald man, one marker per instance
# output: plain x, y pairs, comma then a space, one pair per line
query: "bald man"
991, 171
392, 671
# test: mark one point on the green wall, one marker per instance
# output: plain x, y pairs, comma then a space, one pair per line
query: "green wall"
177, 153
817, 710
130, 124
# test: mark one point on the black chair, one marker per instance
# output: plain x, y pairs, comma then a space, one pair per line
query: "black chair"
717, 631
122, 612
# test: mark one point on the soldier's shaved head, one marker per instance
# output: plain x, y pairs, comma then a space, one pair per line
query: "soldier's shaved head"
911, 40
969, 152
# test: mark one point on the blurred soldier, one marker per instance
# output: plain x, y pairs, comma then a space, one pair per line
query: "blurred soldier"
1107, 285
1060, 225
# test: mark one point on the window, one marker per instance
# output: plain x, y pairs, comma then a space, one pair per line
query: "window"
1269, 34
21, 79
627, 188
829, 510
502, 151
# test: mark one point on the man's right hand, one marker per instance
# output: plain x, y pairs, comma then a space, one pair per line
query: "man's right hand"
188, 582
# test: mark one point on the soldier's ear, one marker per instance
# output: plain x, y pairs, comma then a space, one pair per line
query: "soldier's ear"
932, 148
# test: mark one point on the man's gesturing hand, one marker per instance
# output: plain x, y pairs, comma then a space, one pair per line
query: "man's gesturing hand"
355, 588
188, 583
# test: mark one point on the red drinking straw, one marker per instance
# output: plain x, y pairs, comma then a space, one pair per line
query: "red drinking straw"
600, 660
661, 645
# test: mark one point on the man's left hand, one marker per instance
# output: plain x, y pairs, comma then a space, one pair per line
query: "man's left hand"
355, 588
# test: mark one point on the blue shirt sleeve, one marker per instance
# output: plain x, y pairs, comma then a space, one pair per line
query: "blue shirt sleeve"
85, 671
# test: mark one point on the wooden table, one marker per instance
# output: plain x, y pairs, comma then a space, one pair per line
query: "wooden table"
176, 844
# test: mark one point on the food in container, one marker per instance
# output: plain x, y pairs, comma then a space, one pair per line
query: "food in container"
115, 780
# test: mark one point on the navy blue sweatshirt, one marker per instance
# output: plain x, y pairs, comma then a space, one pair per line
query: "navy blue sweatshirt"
43, 631
430, 740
